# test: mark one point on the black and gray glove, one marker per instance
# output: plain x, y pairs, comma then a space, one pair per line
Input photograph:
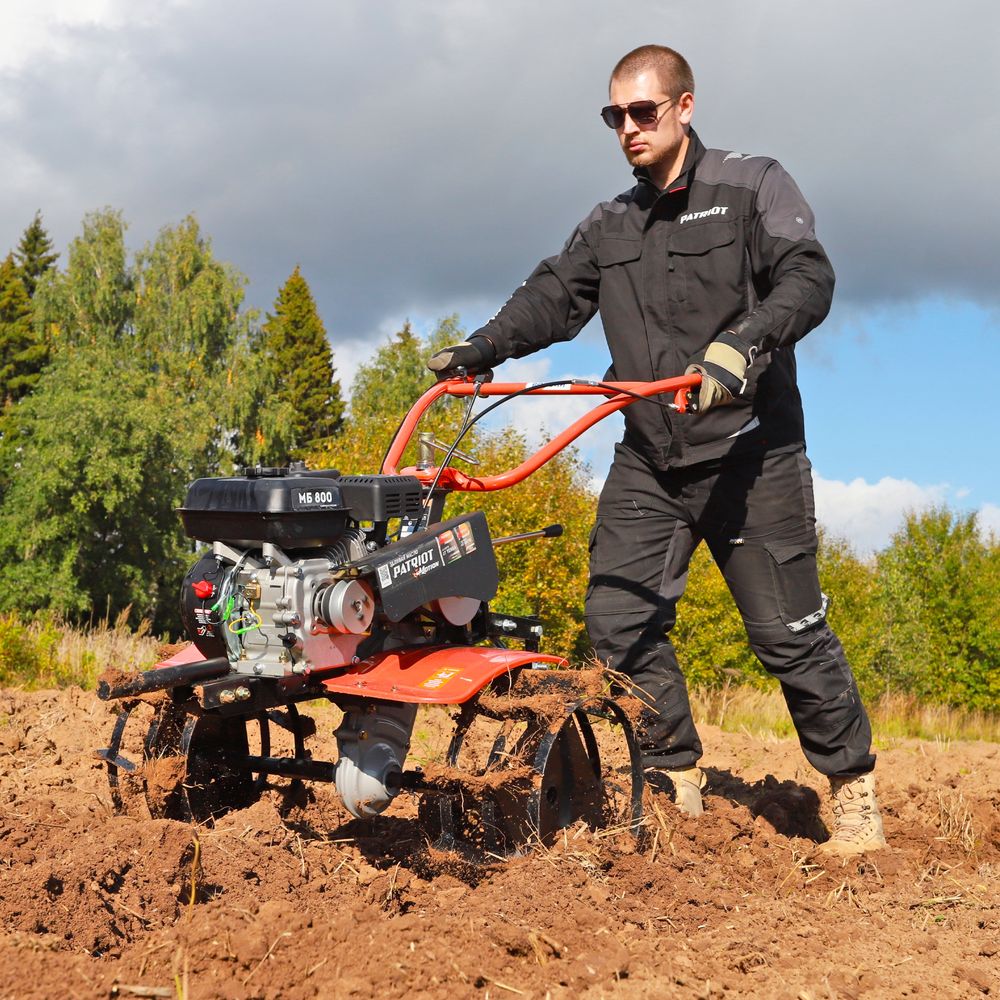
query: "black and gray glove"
723, 368
475, 355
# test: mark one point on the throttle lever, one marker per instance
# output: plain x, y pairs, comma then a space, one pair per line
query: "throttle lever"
552, 531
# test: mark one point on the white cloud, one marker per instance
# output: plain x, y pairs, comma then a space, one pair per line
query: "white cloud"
349, 356
33, 28
989, 520
866, 514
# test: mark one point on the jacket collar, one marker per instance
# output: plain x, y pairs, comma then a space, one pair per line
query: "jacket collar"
695, 152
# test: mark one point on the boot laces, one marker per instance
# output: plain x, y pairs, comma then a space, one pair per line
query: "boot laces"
852, 812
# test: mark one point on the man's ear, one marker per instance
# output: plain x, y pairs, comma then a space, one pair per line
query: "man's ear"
685, 108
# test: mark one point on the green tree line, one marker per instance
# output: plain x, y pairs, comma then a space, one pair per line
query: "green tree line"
123, 376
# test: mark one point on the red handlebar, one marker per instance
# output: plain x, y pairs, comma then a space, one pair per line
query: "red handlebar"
454, 479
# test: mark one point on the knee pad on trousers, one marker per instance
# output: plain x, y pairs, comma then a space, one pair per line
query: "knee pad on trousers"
781, 631
781, 650
812, 664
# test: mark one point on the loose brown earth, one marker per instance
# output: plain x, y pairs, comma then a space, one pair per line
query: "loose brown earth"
292, 901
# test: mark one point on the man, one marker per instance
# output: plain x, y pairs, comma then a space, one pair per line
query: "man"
709, 264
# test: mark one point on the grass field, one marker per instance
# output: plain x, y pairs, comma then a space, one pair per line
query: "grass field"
47, 653
761, 713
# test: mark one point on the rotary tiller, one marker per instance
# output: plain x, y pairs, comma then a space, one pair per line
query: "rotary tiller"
354, 589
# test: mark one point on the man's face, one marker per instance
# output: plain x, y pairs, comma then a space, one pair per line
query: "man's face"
657, 146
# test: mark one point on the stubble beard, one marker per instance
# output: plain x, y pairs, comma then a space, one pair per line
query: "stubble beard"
650, 159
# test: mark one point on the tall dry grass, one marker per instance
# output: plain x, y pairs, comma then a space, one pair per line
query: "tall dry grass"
47, 652
762, 713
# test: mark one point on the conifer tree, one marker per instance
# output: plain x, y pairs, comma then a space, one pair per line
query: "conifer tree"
301, 370
22, 355
150, 365
34, 254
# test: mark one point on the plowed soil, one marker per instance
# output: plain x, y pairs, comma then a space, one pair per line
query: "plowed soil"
290, 898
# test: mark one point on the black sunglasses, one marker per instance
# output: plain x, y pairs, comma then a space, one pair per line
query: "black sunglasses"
641, 112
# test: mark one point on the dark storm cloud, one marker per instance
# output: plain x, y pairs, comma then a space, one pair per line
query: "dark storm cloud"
419, 157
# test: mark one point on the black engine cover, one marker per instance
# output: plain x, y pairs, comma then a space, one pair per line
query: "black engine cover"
292, 511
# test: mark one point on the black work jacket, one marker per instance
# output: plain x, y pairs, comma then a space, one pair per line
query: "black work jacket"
730, 245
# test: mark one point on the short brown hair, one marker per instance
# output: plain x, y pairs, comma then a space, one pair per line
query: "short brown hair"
671, 68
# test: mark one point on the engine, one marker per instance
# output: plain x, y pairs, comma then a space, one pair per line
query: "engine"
311, 571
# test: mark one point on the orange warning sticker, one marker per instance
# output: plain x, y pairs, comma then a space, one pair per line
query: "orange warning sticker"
440, 678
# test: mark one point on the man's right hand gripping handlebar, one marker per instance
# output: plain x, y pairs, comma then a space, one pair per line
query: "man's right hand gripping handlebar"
472, 357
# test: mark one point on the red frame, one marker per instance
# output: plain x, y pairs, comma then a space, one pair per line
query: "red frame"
454, 479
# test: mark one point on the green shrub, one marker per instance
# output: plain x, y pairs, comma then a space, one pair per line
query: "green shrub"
48, 652
28, 652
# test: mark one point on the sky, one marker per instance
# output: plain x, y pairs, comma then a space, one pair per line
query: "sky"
417, 159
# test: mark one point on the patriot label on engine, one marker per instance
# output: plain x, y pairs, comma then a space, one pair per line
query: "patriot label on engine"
445, 547
451, 559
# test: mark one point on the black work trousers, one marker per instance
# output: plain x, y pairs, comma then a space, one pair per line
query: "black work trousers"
757, 516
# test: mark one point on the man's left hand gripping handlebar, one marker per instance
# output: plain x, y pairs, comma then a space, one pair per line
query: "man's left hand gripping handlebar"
472, 357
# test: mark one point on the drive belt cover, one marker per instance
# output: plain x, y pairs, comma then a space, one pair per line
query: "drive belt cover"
451, 559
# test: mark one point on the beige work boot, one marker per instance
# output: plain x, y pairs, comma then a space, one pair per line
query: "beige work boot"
687, 789
857, 824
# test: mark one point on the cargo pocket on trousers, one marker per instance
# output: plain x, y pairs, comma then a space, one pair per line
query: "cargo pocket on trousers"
607, 589
591, 542
801, 603
593, 538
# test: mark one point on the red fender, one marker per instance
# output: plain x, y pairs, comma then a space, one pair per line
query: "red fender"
443, 675
439, 675
184, 655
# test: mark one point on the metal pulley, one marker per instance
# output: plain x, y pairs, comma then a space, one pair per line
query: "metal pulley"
346, 606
